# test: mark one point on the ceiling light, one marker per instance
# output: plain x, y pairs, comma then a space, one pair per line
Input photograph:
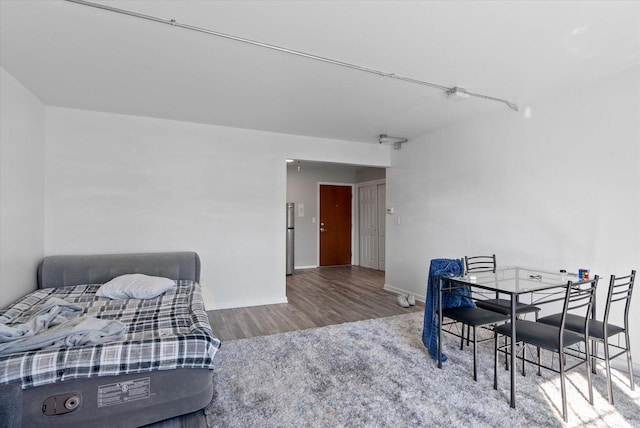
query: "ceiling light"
397, 141
457, 93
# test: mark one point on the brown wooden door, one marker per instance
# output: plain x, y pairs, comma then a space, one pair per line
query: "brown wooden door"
335, 225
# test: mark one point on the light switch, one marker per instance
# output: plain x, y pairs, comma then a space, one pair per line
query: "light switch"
396, 220
313, 219
300, 210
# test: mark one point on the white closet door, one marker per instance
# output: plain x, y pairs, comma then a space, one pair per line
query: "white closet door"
369, 227
382, 195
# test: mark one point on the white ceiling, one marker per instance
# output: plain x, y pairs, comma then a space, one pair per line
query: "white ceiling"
76, 56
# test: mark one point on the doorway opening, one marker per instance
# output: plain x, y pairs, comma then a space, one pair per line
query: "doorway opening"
303, 189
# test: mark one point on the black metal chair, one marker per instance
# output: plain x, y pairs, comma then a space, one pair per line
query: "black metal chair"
620, 290
480, 263
458, 307
473, 318
577, 303
503, 306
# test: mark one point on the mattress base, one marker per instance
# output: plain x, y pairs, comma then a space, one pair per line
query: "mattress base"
121, 401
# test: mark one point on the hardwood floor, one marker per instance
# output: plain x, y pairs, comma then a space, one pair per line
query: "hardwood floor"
317, 297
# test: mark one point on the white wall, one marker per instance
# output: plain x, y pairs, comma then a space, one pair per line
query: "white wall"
117, 183
560, 189
22, 135
370, 174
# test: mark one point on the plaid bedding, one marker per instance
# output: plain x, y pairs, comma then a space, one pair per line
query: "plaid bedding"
168, 332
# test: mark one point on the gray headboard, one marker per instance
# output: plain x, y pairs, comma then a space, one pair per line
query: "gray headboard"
58, 271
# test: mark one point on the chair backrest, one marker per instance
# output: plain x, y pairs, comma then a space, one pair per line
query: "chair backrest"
578, 301
620, 290
480, 263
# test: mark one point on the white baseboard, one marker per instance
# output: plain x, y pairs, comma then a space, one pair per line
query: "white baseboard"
210, 305
306, 267
397, 290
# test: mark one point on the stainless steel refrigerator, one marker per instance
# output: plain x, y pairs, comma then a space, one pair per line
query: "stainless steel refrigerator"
290, 237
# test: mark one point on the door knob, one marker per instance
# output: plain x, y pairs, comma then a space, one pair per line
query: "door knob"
322, 229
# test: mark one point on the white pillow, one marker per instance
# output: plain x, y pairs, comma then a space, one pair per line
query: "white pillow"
136, 286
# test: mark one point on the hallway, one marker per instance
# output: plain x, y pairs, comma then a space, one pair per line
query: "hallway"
317, 297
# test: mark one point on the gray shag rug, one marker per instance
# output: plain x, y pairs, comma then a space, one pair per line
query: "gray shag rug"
377, 373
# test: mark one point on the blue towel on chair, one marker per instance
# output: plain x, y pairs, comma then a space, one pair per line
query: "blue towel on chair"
441, 267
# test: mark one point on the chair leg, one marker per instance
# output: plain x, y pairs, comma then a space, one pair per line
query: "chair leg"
539, 359
587, 362
506, 357
607, 365
475, 355
462, 338
629, 363
495, 360
594, 353
563, 387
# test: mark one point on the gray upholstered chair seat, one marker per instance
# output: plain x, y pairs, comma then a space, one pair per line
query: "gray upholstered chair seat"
576, 323
474, 316
503, 306
541, 335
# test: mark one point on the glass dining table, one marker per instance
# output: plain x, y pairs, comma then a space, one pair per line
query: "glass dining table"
511, 283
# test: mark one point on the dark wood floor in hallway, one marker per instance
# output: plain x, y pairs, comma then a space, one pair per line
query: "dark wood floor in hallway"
317, 297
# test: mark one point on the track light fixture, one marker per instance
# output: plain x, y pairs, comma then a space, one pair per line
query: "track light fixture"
455, 91
397, 141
